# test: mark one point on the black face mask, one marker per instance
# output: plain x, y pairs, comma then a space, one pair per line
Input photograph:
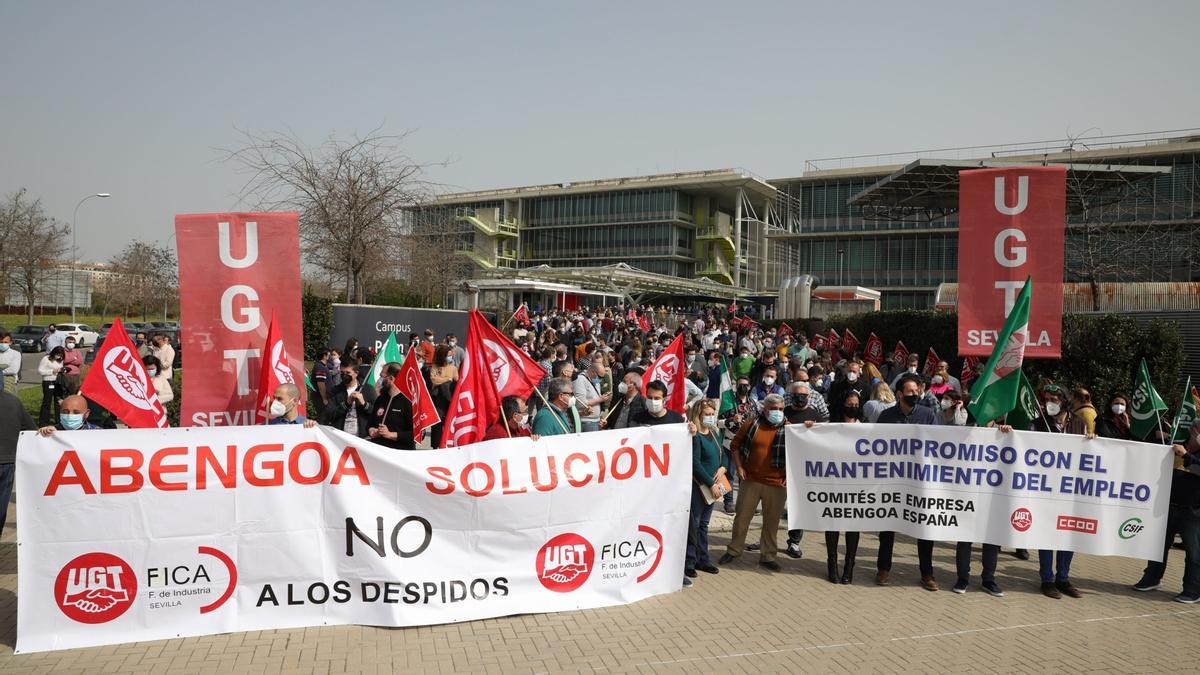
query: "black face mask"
852, 411
799, 400
743, 389
911, 400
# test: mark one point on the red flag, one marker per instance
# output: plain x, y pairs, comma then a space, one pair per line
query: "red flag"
784, 329
669, 369
931, 361
835, 340
494, 368
275, 371
631, 315
874, 350
900, 354
644, 324
820, 342
412, 385
850, 343
968, 371
733, 307
521, 315
118, 381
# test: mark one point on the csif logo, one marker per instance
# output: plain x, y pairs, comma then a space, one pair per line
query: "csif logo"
1130, 528
565, 562
95, 588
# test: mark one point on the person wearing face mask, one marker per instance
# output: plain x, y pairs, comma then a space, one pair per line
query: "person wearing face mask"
712, 388
350, 404
285, 407
165, 353
1115, 421
1054, 567
50, 369
943, 369
656, 412
162, 383
767, 385
938, 386
906, 411
10, 363
515, 423
851, 414
72, 362
443, 378
587, 390
53, 338
561, 416
815, 400
706, 468
910, 368
851, 380
759, 456
1183, 518
742, 365
744, 408
72, 417
953, 412
391, 423
799, 410
695, 363
457, 354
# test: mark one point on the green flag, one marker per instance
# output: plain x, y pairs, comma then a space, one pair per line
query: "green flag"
995, 392
1027, 410
726, 391
1186, 415
308, 383
389, 354
1145, 406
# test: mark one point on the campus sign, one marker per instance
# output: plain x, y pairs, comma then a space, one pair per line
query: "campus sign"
372, 324
1021, 489
150, 534
1011, 225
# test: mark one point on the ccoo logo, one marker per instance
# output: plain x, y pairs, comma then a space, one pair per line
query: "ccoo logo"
95, 588
565, 562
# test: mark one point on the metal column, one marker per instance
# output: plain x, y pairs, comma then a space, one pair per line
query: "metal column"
737, 238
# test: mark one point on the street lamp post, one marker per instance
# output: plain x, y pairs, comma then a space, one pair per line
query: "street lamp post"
74, 252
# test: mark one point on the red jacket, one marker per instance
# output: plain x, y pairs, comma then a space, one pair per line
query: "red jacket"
497, 431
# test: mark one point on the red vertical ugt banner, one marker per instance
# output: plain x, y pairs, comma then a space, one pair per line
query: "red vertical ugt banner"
1011, 226
234, 270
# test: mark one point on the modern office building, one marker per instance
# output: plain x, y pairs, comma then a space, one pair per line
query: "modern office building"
884, 222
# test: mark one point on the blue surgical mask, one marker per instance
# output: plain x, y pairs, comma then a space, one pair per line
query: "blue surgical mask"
4, 347
70, 420
152, 371
775, 417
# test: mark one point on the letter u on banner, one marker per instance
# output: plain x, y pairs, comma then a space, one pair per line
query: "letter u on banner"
1011, 226
234, 269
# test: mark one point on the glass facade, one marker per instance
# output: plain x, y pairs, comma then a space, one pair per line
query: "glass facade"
906, 260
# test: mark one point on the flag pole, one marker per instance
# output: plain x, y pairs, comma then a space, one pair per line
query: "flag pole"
1187, 388
547, 405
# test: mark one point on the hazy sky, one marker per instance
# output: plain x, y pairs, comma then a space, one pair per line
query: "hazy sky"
134, 98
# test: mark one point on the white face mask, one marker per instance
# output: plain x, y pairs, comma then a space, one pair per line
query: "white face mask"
946, 404
278, 409
1118, 408
654, 405
937, 379
912, 369
524, 420
571, 402
622, 389
1052, 409
710, 421
768, 381
852, 376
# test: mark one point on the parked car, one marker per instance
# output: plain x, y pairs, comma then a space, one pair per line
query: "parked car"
28, 338
104, 329
90, 357
135, 327
171, 326
83, 335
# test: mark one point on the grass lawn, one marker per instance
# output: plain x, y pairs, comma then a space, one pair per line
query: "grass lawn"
11, 321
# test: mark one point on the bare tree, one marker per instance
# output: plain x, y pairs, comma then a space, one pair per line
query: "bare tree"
33, 244
431, 250
350, 196
146, 277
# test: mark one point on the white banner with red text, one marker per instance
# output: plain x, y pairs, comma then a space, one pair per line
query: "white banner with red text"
1021, 489
147, 534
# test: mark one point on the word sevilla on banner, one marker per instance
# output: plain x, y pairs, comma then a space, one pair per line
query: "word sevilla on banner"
504, 527
669, 369
275, 371
118, 381
411, 383
1102, 496
493, 368
1011, 226
234, 270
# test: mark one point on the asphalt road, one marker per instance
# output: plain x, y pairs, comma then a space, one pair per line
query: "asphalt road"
29, 364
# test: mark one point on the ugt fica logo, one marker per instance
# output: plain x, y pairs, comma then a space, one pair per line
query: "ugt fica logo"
565, 562
95, 588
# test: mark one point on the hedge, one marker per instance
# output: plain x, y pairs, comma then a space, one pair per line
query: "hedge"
1101, 352
317, 314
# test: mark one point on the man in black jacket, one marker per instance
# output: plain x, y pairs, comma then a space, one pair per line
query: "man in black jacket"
1183, 517
391, 416
13, 420
350, 405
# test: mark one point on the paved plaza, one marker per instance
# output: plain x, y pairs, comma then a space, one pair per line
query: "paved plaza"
743, 620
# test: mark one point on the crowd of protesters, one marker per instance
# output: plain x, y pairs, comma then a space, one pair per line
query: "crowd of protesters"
595, 364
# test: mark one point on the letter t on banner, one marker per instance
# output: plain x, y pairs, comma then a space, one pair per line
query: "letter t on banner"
235, 269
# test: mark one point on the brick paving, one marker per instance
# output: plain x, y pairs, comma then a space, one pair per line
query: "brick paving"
743, 620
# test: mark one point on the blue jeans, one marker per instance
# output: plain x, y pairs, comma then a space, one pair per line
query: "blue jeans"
1186, 522
7, 471
586, 425
697, 550
1046, 565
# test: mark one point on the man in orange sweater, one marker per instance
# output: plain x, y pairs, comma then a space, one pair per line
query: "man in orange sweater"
758, 456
